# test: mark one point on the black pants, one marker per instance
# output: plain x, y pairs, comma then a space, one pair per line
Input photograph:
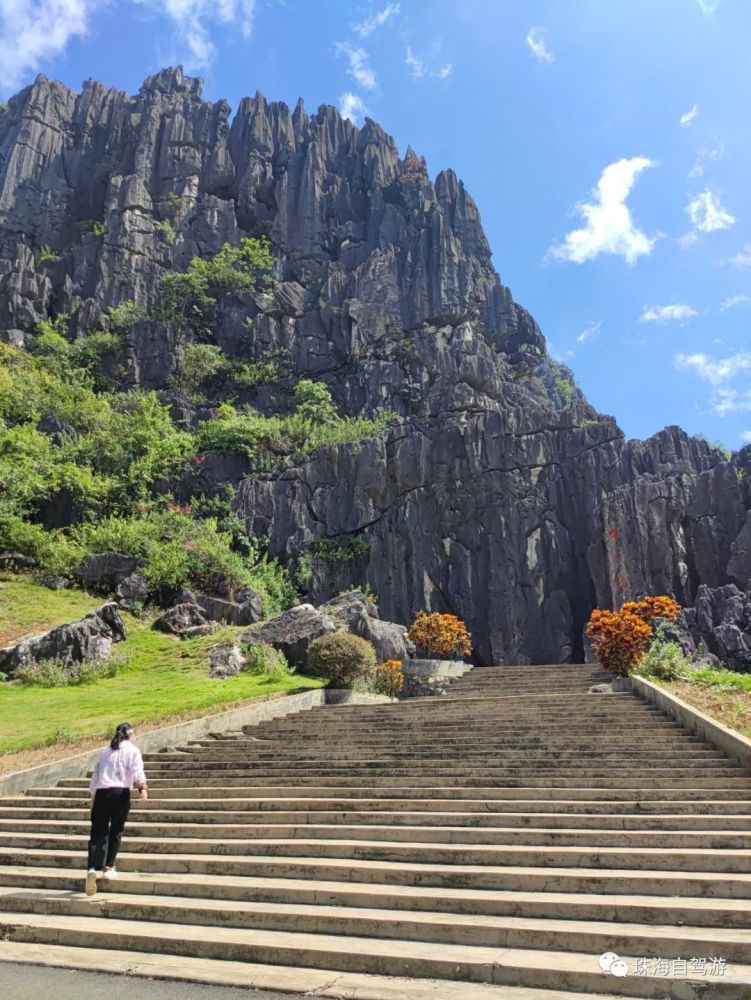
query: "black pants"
108, 815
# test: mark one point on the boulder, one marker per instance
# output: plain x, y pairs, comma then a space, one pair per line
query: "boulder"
225, 660
239, 612
361, 617
58, 430
53, 581
89, 638
105, 571
185, 620
349, 606
16, 561
133, 591
292, 632
717, 629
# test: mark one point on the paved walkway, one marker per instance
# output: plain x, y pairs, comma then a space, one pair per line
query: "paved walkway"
34, 982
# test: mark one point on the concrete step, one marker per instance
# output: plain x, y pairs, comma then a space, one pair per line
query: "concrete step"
693, 911
429, 832
77, 788
535, 968
700, 859
73, 820
531, 756
253, 976
509, 877
664, 941
212, 809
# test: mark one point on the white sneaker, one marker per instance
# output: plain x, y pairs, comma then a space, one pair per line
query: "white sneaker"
90, 887
109, 873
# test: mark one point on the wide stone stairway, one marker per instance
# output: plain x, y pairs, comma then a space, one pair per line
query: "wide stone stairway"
509, 833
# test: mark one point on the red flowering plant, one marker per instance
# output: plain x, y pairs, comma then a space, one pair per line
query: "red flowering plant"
621, 638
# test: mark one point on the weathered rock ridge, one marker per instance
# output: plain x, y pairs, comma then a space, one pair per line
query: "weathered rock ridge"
500, 495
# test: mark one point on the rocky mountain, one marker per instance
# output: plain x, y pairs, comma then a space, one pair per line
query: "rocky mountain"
499, 495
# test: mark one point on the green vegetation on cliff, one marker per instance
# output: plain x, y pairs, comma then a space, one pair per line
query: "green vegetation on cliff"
85, 468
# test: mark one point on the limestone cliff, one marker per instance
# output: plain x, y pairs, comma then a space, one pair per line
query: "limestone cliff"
500, 495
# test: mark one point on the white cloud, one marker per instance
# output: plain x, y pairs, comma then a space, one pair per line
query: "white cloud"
745, 436
609, 227
420, 68
715, 372
537, 42
193, 20
710, 154
369, 24
351, 106
709, 6
735, 300
708, 214
742, 258
666, 314
32, 31
589, 331
358, 67
686, 119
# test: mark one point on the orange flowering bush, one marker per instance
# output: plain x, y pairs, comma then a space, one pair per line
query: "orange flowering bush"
649, 608
388, 678
621, 638
441, 635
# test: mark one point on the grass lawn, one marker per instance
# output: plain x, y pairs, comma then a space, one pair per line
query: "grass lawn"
27, 608
731, 707
162, 676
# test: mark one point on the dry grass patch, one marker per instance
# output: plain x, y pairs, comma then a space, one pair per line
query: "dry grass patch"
730, 707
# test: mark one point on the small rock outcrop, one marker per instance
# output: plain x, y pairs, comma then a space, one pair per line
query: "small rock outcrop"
225, 660
719, 624
246, 609
184, 620
104, 572
361, 617
292, 632
90, 638
133, 592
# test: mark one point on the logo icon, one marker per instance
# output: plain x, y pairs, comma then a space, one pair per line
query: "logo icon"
610, 962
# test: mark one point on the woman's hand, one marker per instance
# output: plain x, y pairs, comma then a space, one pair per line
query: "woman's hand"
143, 794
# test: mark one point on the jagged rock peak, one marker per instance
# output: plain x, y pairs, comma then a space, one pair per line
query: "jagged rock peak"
173, 81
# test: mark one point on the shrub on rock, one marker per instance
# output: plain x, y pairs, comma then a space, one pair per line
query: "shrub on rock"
341, 658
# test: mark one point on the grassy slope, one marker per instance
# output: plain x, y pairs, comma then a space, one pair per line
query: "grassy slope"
731, 707
163, 676
26, 608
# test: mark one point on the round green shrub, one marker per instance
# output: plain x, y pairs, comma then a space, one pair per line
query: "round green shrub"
260, 658
341, 658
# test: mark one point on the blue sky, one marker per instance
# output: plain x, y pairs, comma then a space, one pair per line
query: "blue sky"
606, 143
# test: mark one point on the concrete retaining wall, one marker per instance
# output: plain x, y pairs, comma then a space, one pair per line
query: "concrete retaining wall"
733, 744
45, 775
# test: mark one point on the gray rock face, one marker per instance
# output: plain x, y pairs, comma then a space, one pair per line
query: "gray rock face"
133, 592
292, 632
105, 571
501, 495
717, 629
225, 660
90, 638
184, 620
244, 611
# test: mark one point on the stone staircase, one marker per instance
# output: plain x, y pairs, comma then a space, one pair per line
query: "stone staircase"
508, 834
